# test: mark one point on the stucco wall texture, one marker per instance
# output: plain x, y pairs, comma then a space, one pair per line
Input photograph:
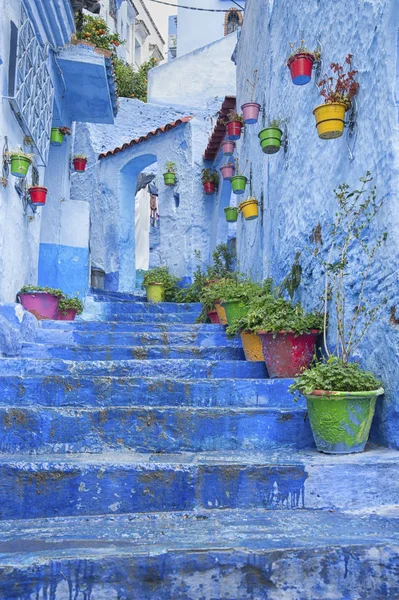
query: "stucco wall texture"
297, 185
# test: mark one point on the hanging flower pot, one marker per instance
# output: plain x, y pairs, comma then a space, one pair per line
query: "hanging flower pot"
234, 130
38, 195
169, 178
79, 163
270, 139
57, 135
228, 147
238, 183
250, 112
252, 346
341, 421
227, 170
231, 214
209, 188
20, 163
287, 354
249, 209
330, 120
301, 65
213, 317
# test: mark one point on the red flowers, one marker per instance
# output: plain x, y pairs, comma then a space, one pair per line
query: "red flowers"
342, 87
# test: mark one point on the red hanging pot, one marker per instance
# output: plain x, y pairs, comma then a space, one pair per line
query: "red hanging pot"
301, 68
234, 130
209, 188
80, 164
38, 195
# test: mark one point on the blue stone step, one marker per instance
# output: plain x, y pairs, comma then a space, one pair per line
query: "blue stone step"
109, 296
212, 555
145, 307
126, 327
84, 353
150, 429
152, 338
146, 317
86, 391
173, 368
118, 483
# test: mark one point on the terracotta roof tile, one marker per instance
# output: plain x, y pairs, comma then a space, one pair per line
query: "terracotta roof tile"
218, 134
143, 138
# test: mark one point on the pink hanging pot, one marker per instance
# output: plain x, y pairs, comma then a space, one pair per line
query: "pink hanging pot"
250, 112
228, 147
227, 171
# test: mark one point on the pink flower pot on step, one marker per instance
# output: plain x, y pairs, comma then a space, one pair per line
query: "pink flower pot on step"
69, 315
250, 112
40, 304
227, 171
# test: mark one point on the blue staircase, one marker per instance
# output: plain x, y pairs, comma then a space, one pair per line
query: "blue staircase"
142, 458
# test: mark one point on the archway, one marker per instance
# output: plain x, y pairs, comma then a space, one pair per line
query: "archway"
128, 184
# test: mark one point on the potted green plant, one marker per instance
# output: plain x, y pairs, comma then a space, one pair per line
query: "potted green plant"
288, 335
238, 181
40, 301
234, 123
270, 137
231, 214
68, 308
341, 396
57, 135
170, 175
160, 285
80, 162
210, 181
338, 90
235, 296
20, 162
251, 109
300, 63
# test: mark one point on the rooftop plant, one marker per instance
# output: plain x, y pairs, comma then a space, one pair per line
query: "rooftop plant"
340, 86
131, 83
96, 31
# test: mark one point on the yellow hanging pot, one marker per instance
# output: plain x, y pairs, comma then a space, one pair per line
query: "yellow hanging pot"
249, 209
330, 120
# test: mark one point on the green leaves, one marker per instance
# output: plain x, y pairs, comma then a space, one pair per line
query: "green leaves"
335, 376
131, 83
162, 275
67, 303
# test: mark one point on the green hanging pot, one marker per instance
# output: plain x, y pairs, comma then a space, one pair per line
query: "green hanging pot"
270, 139
169, 178
341, 421
20, 165
56, 137
231, 214
238, 183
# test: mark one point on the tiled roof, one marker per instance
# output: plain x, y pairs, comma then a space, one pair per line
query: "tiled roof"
219, 132
143, 138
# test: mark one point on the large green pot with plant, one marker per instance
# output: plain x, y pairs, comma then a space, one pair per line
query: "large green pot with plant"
341, 396
20, 162
160, 285
235, 297
169, 176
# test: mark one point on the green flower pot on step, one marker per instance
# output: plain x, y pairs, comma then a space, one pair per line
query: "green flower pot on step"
235, 309
270, 140
238, 183
341, 421
155, 292
19, 165
231, 214
56, 137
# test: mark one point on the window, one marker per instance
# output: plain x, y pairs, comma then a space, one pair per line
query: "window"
33, 92
233, 21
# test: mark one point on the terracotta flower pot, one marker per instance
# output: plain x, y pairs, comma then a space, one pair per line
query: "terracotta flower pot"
41, 304
287, 354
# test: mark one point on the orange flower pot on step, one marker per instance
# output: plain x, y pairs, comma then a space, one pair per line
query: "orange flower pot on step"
252, 346
221, 313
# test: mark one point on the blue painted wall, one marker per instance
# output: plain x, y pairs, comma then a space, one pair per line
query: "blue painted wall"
297, 185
